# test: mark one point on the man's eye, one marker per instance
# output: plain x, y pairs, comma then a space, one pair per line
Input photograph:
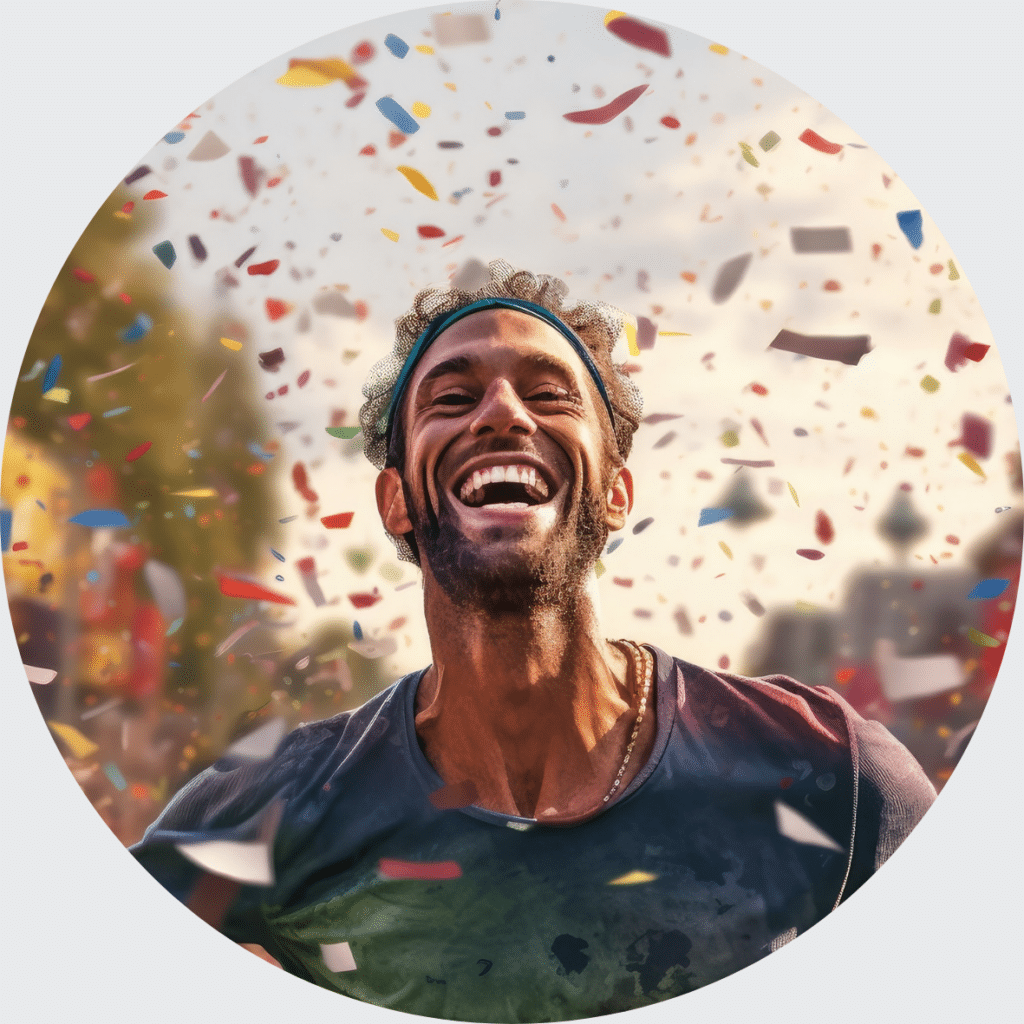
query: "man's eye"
453, 398
549, 394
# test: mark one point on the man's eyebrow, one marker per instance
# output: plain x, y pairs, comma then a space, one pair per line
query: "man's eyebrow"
457, 364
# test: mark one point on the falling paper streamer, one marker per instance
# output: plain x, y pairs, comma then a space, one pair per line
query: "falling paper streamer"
848, 349
913, 678
338, 957
250, 863
231, 586
167, 590
610, 111
228, 642
729, 276
820, 240
793, 825
40, 676
260, 744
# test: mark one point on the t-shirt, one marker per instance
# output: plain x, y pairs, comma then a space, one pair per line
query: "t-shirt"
763, 804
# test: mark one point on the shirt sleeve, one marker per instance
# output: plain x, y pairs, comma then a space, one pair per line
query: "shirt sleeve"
893, 794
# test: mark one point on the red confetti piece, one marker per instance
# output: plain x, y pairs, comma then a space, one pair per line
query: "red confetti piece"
232, 587
395, 139
637, 33
263, 269
365, 600
450, 798
622, 582
301, 482
283, 389
689, 275
20, 545
354, 101
557, 211
276, 308
832, 286
670, 122
756, 424
914, 453
138, 451
155, 193
810, 553
494, 178
848, 466
260, 140
126, 299
952, 539
128, 207
975, 435
786, 782
758, 389
723, 661
935, 268
426, 871
452, 241
83, 275
823, 528
368, 150
79, 420
844, 675
250, 174
976, 351
494, 132
610, 111
362, 310
303, 379
430, 231
815, 141
273, 183
339, 521
876, 251
362, 52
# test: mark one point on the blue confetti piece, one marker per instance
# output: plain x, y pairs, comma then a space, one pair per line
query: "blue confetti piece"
174, 627
138, 328
113, 773
92, 576
116, 412
288, 519
277, 555
497, 14
714, 515
190, 510
257, 450
357, 630
194, 453
399, 47
164, 252
173, 138
6, 519
52, 373
910, 224
280, 579
397, 115
613, 545
174, 664
101, 518
551, 58
515, 115
987, 589
40, 504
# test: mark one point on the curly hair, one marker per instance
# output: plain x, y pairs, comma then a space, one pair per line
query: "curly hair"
598, 325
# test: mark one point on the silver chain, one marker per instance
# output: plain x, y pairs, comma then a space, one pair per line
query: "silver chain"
643, 667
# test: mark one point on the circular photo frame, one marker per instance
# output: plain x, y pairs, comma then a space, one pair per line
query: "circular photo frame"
103, 665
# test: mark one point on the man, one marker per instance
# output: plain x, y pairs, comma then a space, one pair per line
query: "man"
543, 824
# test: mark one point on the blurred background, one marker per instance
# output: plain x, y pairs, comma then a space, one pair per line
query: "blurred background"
226, 303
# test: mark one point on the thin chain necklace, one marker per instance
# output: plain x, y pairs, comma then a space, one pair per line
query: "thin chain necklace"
643, 668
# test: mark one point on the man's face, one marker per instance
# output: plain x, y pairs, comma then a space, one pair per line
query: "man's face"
508, 463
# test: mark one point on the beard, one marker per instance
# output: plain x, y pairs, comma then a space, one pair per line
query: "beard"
504, 581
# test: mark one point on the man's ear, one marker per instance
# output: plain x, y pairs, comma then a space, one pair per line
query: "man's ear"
391, 502
619, 499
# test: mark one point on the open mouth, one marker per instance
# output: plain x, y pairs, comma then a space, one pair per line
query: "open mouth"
513, 486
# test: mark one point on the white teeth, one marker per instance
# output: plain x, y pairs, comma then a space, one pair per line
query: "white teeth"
478, 480
471, 492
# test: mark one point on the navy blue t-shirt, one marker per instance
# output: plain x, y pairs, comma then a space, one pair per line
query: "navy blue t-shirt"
762, 805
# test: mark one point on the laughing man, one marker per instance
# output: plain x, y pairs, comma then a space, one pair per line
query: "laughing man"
544, 824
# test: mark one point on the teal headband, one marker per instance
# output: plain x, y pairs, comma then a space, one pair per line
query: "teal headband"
442, 323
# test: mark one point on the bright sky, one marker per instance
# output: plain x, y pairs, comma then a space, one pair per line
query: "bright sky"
643, 203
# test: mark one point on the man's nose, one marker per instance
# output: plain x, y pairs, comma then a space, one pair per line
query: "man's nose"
503, 411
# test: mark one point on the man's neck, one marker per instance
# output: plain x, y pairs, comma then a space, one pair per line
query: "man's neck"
535, 708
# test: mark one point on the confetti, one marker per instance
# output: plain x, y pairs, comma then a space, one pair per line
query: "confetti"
117, 780
138, 451
79, 745
79, 420
418, 181
40, 676
971, 463
230, 641
101, 519
954, 274
272, 360
397, 115
602, 115
975, 435
139, 172
753, 605
793, 825
719, 48
338, 957
729, 276
458, 29
753, 463
347, 433
399, 47
823, 528
245, 255
155, 193
277, 308
260, 744
215, 384
815, 141
420, 109
231, 586
769, 141
251, 863
841, 349
810, 553
817, 240
62, 395
929, 383
432, 871
164, 252
209, 147
634, 878
110, 413
140, 326
332, 301
726, 549
792, 491
981, 639
639, 34
339, 521
987, 589
52, 373
430, 231
960, 349
714, 515
911, 226
307, 570
388, 233
197, 492
264, 269
365, 600
301, 482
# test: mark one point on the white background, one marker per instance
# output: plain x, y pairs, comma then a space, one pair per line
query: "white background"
933, 87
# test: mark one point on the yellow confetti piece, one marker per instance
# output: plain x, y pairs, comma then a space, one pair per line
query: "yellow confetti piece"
599, 569
612, 15
634, 348
450, 85
868, 413
725, 547
121, 215
674, 334
58, 395
417, 181
421, 109
954, 274
718, 48
633, 878
930, 384
231, 344
792, 490
748, 155
806, 606
981, 639
423, 48
300, 77
199, 492
388, 233
79, 745
730, 439
935, 306
971, 463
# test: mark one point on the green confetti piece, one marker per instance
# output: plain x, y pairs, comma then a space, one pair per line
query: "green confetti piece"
769, 141
936, 306
164, 252
344, 432
954, 274
748, 155
113, 773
